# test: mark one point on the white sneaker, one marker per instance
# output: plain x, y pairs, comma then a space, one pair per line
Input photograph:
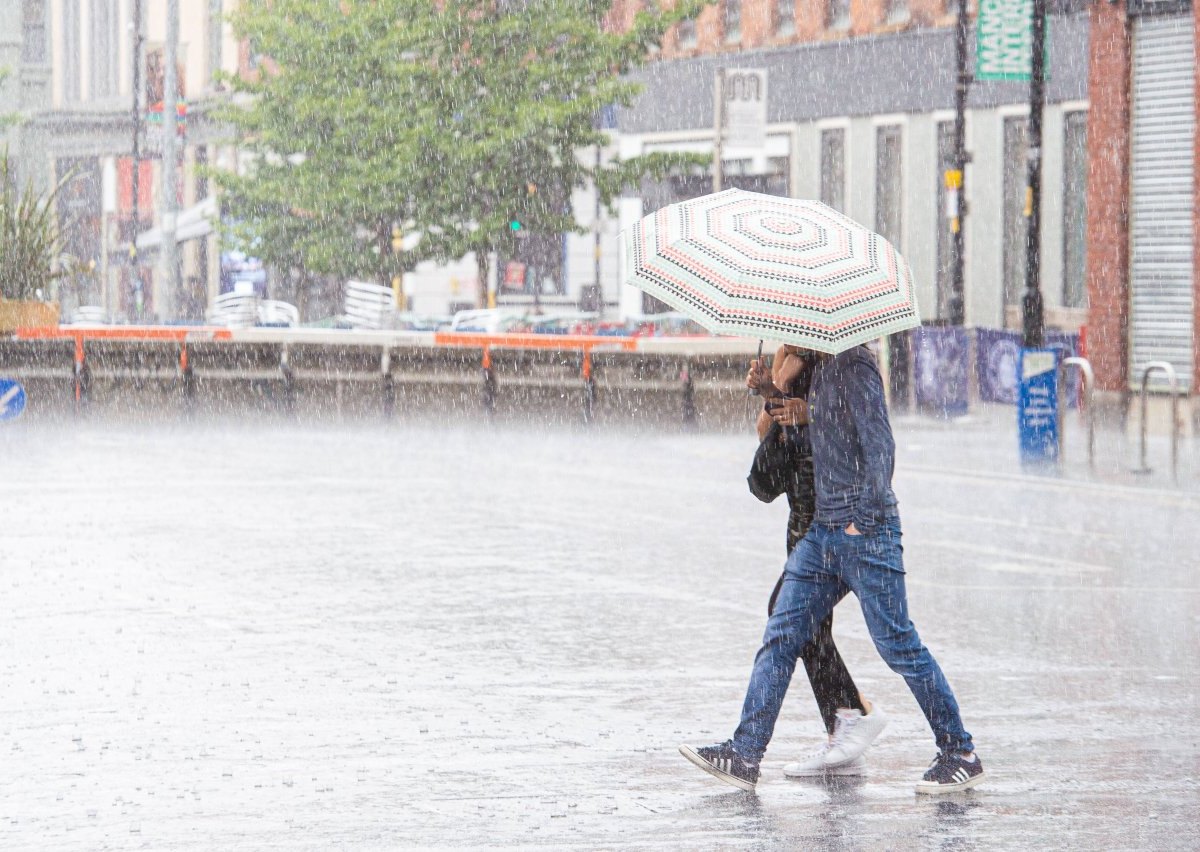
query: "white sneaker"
853, 734
814, 766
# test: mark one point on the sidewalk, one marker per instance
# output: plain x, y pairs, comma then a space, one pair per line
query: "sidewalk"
985, 441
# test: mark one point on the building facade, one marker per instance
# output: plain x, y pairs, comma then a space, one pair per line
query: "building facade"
1143, 203
71, 71
860, 111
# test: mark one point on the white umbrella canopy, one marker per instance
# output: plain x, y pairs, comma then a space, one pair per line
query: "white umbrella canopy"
753, 265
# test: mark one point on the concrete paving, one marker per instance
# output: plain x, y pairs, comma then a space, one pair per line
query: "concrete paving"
400, 636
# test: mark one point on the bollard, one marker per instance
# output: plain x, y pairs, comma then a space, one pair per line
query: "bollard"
187, 377
82, 376
289, 381
589, 388
388, 384
1087, 413
1173, 384
488, 392
689, 395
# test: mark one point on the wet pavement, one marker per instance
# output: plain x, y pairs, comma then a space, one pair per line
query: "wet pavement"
406, 636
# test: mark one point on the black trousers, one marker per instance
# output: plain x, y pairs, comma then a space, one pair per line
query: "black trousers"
832, 686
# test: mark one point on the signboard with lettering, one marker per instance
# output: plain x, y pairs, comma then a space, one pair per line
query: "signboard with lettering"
1037, 406
1003, 40
746, 107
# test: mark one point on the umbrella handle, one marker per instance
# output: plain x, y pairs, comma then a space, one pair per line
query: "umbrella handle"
754, 391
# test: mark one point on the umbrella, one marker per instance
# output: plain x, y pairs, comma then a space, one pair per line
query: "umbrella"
755, 265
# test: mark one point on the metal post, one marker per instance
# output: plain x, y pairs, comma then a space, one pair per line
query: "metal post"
1173, 384
718, 129
1088, 412
136, 44
957, 306
1032, 309
596, 242
169, 266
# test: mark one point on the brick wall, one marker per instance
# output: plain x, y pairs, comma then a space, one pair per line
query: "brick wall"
1108, 195
759, 23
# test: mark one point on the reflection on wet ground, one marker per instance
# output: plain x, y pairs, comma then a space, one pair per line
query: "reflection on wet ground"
390, 637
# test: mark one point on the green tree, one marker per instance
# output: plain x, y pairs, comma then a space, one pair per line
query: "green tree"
449, 120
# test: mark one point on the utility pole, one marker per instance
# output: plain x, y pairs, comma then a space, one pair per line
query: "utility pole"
169, 265
718, 128
136, 43
956, 180
1031, 305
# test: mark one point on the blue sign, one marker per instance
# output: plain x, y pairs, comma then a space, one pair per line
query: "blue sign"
1037, 406
12, 399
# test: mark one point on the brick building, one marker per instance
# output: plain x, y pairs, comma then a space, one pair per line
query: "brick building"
1143, 221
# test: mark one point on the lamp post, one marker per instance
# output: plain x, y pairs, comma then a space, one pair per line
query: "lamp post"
135, 179
1032, 311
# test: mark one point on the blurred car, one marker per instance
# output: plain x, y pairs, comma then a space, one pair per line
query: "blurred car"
488, 320
668, 325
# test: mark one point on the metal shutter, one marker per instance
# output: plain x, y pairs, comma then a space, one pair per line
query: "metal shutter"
1164, 118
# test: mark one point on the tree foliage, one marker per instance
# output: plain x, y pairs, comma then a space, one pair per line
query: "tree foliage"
446, 120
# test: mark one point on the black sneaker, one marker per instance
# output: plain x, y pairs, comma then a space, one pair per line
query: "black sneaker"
951, 772
725, 763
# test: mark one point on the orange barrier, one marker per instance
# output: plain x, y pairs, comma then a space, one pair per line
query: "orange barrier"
534, 341
126, 332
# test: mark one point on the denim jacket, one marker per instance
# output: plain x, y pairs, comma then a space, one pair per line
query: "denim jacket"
853, 449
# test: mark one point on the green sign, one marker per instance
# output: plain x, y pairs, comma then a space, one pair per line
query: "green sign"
1004, 44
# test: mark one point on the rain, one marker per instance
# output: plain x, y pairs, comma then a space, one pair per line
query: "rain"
379, 388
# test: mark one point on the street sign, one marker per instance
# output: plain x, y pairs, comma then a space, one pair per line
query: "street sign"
746, 107
1004, 44
1037, 406
12, 399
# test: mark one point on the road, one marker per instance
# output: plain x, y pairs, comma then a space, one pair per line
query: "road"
372, 636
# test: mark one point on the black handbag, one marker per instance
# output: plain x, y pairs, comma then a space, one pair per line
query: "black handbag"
773, 471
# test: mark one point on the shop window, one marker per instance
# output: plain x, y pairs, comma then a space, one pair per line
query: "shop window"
945, 240
733, 21
833, 168
33, 31
785, 17
1075, 166
1015, 224
889, 184
686, 34
897, 11
837, 15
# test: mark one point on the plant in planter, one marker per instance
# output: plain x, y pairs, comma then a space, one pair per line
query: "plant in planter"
31, 251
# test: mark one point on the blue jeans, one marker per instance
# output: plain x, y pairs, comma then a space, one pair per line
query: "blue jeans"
827, 565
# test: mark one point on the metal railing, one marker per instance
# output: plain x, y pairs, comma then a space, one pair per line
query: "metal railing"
1173, 383
1087, 410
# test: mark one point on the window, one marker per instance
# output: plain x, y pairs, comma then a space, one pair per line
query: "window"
785, 17
837, 15
945, 240
733, 21
33, 35
70, 51
889, 184
833, 168
897, 11
1075, 166
686, 35
104, 48
1015, 225
216, 21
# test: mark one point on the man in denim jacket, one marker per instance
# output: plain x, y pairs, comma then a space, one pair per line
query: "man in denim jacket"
853, 545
